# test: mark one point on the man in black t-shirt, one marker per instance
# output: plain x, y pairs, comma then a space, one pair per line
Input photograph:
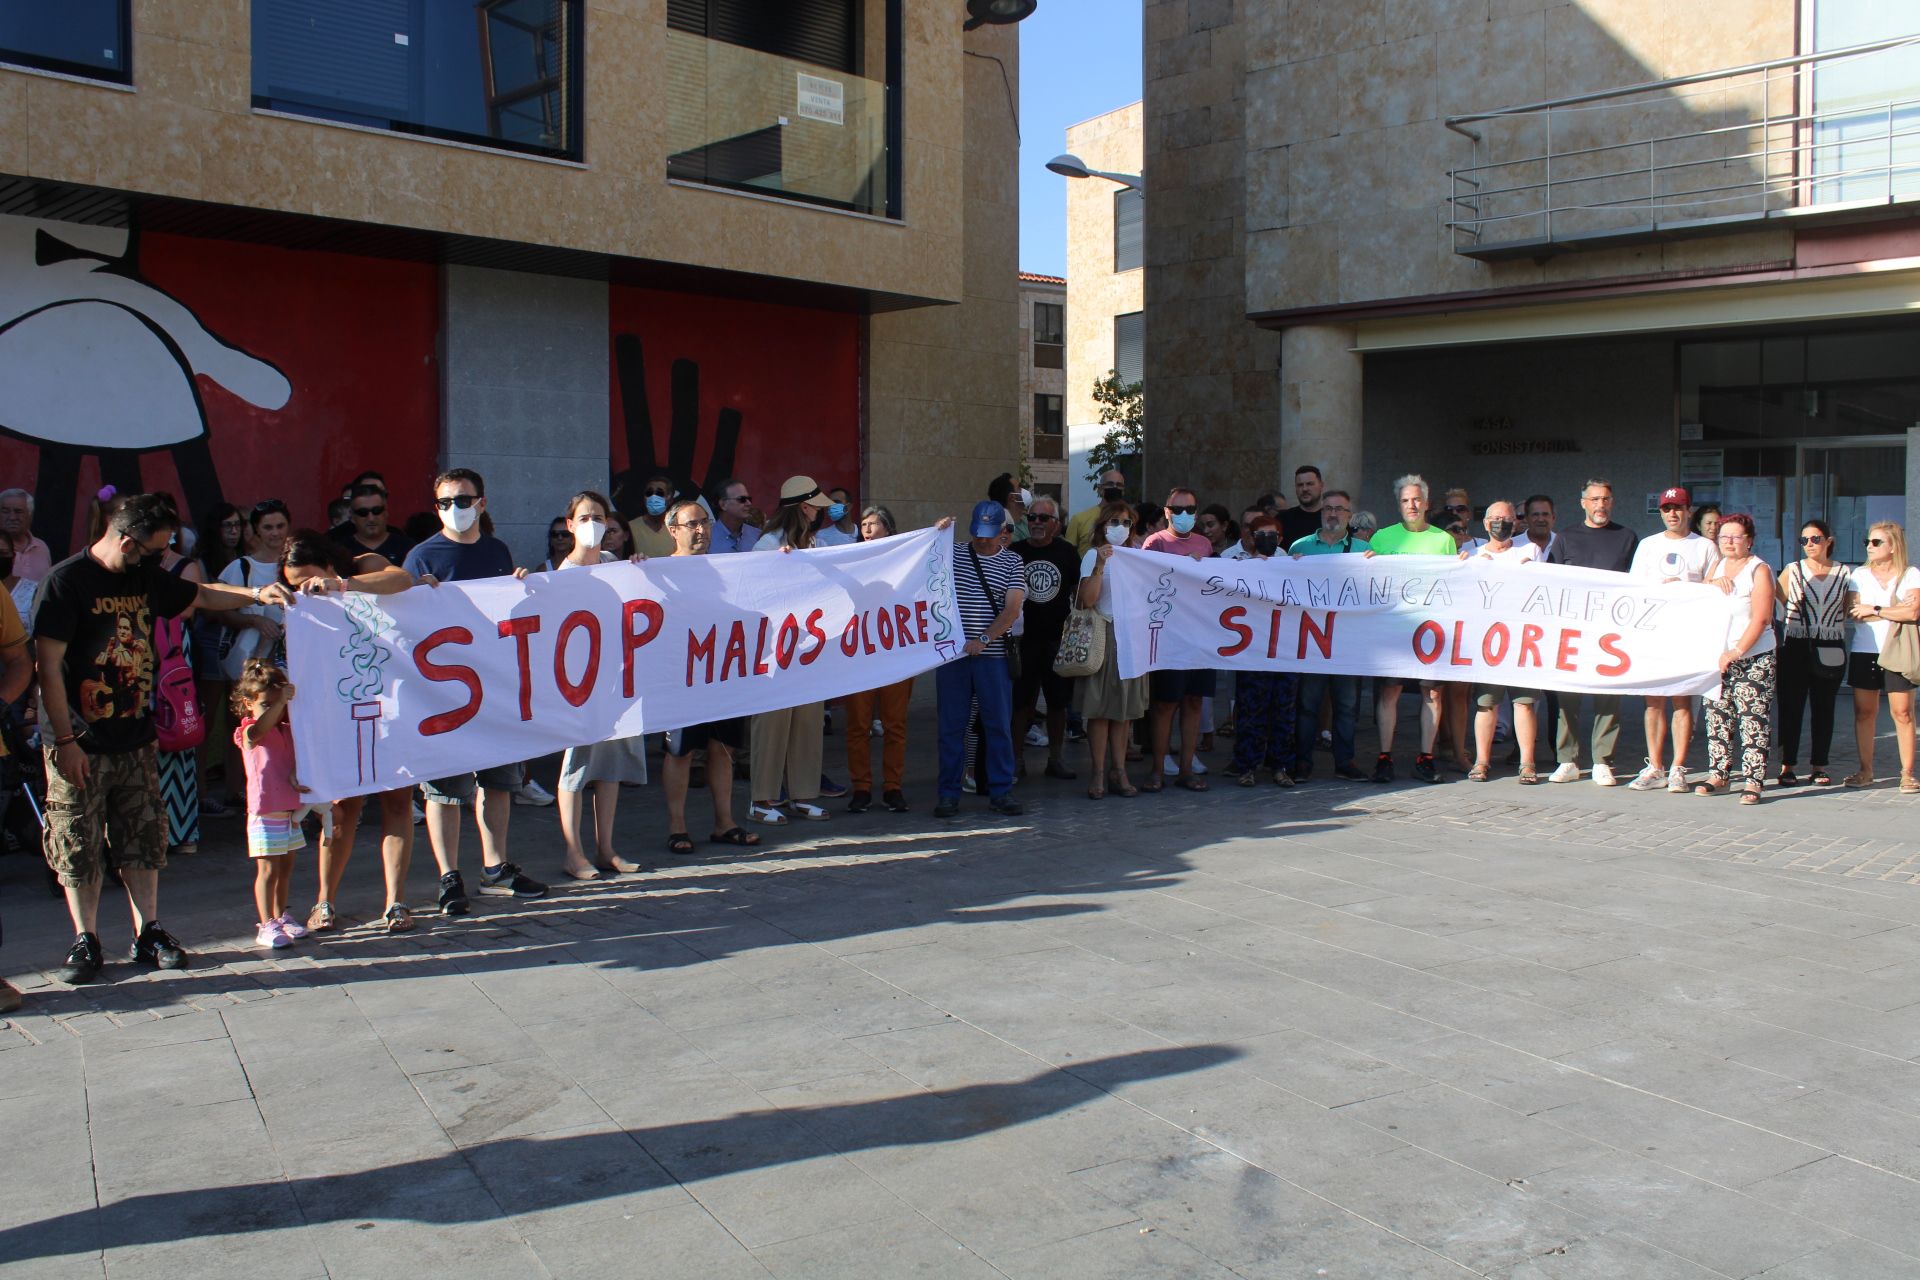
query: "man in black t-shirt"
1303, 520
1596, 543
1053, 571
93, 632
366, 528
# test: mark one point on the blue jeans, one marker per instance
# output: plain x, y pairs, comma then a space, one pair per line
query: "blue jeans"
1346, 715
959, 684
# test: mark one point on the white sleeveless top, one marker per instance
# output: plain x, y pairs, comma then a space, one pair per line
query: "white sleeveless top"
1740, 608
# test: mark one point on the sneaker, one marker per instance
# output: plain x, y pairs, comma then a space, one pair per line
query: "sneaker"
323, 918
509, 881
453, 895
1006, 805
157, 949
769, 814
1648, 779
9, 997
1169, 767
860, 802
271, 936
531, 792
831, 789
896, 801
1036, 736
1568, 772
293, 928
1383, 768
1424, 769
1603, 776
1056, 769
1347, 773
968, 785
947, 807
1677, 781
83, 961
879, 729
1198, 766
1075, 733
212, 806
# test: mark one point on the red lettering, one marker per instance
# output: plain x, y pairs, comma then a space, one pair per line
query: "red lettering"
1491, 654
903, 624
760, 666
1320, 636
866, 633
850, 638
577, 694
698, 648
789, 642
734, 660
1273, 633
883, 623
632, 640
448, 721
1530, 637
920, 620
1610, 645
520, 629
1230, 619
1569, 650
1459, 642
1431, 632
819, 637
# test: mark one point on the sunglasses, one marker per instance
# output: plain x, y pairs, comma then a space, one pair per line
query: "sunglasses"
1812, 539
657, 493
743, 500
370, 511
268, 507
1876, 542
1180, 511
1119, 524
460, 500
1457, 510
1036, 516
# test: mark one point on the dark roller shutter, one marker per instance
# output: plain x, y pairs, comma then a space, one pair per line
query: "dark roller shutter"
817, 31
1129, 229
1130, 346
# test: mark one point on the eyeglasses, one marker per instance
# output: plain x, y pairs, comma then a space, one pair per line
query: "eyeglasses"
1180, 511
460, 500
1339, 511
1811, 539
1457, 510
692, 524
370, 511
1876, 542
743, 500
232, 522
1035, 516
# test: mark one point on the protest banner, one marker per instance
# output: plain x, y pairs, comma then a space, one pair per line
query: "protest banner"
1536, 626
435, 681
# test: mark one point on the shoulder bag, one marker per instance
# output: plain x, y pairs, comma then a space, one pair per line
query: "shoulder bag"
1010, 649
1083, 645
1901, 653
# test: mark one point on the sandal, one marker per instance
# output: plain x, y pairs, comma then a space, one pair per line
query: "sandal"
1191, 783
1152, 786
1247, 779
1281, 778
1714, 784
1479, 773
739, 836
591, 873
619, 866
1750, 794
1528, 776
1787, 777
398, 919
1864, 778
1119, 784
1909, 785
323, 918
1820, 777
1097, 792
680, 844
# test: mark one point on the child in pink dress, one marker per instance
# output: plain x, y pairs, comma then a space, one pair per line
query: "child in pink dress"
274, 807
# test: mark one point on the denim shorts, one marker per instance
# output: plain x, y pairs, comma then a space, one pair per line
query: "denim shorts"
458, 789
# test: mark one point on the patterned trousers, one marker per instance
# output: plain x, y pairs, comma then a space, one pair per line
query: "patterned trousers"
1263, 720
1744, 708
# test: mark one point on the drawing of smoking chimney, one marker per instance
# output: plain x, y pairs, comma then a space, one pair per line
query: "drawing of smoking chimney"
361, 690
1161, 598
939, 592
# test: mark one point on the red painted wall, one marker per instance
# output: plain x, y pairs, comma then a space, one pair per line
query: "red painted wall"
792, 374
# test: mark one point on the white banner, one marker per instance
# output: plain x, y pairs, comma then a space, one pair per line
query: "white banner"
435, 681
1536, 626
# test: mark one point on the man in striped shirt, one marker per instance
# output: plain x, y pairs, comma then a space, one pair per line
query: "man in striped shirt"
989, 584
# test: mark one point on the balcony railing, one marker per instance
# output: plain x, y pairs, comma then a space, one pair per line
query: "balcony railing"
1694, 155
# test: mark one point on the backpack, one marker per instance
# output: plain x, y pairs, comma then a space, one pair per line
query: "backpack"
176, 703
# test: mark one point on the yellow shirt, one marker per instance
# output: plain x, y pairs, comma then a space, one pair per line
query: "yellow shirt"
649, 543
1080, 527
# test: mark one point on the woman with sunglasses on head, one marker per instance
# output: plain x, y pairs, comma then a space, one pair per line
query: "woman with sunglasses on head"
1108, 704
1881, 592
1813, 653
1747, 666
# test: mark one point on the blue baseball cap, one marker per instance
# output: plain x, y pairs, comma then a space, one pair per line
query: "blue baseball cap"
988, 516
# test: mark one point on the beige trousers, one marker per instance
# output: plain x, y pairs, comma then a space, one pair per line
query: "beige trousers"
786, 748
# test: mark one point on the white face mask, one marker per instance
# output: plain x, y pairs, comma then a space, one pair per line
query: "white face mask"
458, 520
1117, 533
589, 532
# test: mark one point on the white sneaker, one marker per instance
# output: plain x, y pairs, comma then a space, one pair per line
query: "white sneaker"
1568, 772
531, 792
879, 730
272, 936
1677, 781
769, 814
1648, 779
1603, 776
291, 927
1168, 768
1036, 736
1199, 766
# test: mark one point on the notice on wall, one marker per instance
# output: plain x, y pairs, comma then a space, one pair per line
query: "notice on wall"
820, 99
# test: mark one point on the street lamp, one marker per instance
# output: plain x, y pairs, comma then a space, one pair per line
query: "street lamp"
1072, 166
998, 13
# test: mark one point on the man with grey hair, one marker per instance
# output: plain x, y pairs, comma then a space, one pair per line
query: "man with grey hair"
1052, 573
31, 557
1413, 536
1595, 543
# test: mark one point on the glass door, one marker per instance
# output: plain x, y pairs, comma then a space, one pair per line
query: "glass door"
1849, 484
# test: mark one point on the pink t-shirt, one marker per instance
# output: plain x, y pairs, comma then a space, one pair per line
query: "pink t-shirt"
269, 761
1193, 544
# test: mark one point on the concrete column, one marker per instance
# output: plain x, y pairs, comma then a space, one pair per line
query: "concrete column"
1913, 488
1321, 378
524, 393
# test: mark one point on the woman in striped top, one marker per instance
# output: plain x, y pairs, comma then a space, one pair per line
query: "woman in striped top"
1814, 656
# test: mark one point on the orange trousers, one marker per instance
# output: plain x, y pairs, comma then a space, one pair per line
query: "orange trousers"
888, 705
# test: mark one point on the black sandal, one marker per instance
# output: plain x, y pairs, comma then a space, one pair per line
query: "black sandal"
732, 835
1787, 777
680, 844
1820, 777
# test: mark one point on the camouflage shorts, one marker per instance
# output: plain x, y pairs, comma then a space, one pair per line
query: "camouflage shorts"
117, 817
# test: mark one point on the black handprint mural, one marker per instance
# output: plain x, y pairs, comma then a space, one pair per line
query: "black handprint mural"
630, 367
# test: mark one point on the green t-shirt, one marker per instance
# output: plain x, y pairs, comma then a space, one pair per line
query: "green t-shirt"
1314, 545
1398, 540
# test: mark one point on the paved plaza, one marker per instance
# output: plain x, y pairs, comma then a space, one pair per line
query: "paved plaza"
1343, 1030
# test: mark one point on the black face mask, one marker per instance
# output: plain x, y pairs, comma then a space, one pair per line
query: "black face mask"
1113, 493
1266, 542
1500, 529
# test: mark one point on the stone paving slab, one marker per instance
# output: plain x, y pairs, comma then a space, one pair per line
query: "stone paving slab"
1543, 1033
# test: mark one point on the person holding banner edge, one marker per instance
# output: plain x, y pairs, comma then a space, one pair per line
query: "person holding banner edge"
1596, 543
1502, 548
1675, 554
785, 745
1413, 536
989, 588
1881, 593
1335, 537
1746, 668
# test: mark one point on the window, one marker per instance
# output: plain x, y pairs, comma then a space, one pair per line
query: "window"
1049, 335
1129, 229
500, 73
1866, 110
1130, 346
794, 98
92, 38
1049, 428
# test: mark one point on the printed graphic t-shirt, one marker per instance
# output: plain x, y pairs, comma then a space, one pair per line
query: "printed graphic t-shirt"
106, 620
1052, 573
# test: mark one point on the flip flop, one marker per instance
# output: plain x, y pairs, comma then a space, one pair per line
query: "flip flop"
680, 844
1192, 784
733, 835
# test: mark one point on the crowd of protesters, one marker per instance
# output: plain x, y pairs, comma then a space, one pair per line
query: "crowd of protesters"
162, 699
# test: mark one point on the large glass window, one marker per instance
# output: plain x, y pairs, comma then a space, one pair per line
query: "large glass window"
795, 98
90, 38
1866, 109
501, 73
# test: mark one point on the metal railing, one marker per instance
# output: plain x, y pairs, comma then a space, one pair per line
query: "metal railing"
1553, 176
